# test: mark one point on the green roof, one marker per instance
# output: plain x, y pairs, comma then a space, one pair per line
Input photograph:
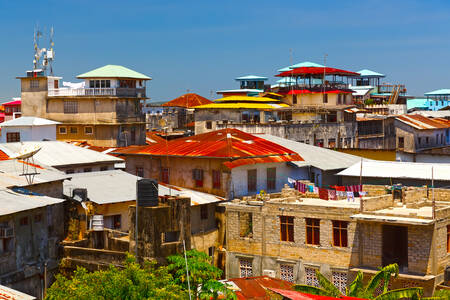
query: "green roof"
113, 71
438, 92
370, 73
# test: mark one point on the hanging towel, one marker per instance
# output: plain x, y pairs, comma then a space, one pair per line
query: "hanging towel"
311, 188
332, 195
362, 194
350, 197
291, 181
323, 194
316, 190
340, 188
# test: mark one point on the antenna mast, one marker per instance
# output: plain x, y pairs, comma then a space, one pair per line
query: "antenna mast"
43, 57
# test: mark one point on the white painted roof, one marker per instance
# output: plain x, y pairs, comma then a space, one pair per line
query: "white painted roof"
28, 121
395, 169
57, 153
116, 186
321, 158
12, 202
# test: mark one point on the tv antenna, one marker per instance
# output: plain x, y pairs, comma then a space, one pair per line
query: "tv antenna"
43, 57
25, 156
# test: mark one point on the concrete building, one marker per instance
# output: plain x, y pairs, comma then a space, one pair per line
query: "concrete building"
65, 157
289, 236
28, 129
226, 163
12, 109
30, 233
375, 132
104, 109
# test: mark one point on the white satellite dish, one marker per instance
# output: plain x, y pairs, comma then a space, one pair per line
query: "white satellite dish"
25, 156
27, 152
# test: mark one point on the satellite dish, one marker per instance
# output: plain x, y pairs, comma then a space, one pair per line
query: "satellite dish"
26, 152
25, 156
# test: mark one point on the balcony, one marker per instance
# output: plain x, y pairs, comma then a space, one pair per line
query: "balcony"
90, 92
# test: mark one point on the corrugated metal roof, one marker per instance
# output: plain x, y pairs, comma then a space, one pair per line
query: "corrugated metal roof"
187, 101
318, 157
256, 287
240, 91
226, 143
114, 186
394, 169
369, 73
12, 202
7, 293
113, 71
422, 123
438, 92
434, 113
242, 105
152, 138
15, 102
294, 295
57, 153
299, 65
251, 77
300, 71
28, 121
417, 103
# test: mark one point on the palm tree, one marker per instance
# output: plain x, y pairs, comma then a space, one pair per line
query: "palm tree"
357, 288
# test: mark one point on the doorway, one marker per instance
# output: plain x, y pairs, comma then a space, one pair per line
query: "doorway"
395, 246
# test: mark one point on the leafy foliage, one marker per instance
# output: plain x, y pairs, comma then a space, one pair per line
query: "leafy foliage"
202, 275
357, 289
131, 282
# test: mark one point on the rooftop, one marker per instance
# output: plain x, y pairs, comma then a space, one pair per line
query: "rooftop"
238, 147
244, 105
114, 186
420, 122
113, 71
28, 121
251, 78
317, 157
394, 169
188, 101
12, 202
58, 154
299, 65
369, 73
438, 92
14, 102
307, 71
256, 287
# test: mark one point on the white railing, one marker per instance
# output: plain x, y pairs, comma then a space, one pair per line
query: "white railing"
82, 92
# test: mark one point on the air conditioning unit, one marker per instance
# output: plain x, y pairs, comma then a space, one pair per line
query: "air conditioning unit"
270, 273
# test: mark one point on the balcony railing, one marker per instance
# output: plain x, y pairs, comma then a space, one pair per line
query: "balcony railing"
119, 92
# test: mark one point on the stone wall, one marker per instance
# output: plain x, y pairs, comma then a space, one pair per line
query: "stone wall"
378, 202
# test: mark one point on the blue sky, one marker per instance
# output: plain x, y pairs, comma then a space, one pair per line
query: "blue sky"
202, 46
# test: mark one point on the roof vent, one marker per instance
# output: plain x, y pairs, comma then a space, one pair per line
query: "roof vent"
147, 192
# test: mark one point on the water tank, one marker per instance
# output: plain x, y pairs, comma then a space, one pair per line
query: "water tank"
147, 192
97, 223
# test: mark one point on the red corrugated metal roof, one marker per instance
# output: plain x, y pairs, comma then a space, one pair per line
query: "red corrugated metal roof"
256, 287
3, 155
15, 102
152, 137
420, 122
316, 71
188, 101
239, 147
294, 295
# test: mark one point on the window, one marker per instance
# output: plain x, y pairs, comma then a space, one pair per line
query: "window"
325, 98
133, 135
313, 231
171, 236
340, 233
286, 228
99, 84
401, 142
208, 124
37, 218
339, 99
62, 130
86, 170
34, 84
427, 140
211, 251
23, 221
448, 238
245, 224
70, 171
419, 140
340, 280
311, 277
104, 168
73, 130
197, 175
88, 130
271, 179
251, 180
332, 143
165, 175
287, 272
140, 171
245, 268
216, 179
204, 212
12, 137
70, 107
117, 222
294, 99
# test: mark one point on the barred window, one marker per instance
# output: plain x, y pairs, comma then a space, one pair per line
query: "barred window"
71, 107
245, 268
311, 277
340, 280
287, 272
12, 137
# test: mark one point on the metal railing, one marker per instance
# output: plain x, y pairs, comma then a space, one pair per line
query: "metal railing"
125, 92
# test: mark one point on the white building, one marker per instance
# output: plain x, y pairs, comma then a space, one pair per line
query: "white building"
28, 129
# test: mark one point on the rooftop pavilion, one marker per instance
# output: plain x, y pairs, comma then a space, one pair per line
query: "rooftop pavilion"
368, 78
250, 85
441, 94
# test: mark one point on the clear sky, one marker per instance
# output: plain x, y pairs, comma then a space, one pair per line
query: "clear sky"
202, 46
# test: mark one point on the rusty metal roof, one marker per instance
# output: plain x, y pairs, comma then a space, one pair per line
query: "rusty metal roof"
188, 101
238, 147
294, 295
422, 123
255, 288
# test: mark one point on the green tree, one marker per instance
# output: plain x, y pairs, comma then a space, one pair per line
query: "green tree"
131, 282
357, 288
203, 276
